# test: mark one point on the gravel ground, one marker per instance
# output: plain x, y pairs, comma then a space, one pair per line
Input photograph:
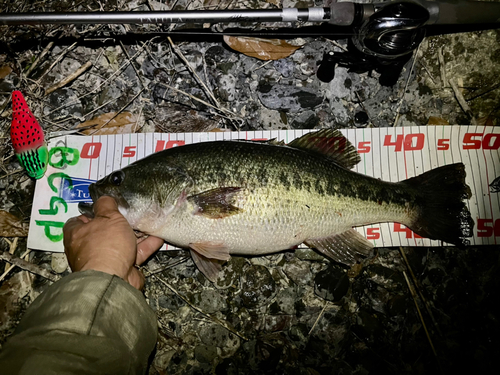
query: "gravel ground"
293, 312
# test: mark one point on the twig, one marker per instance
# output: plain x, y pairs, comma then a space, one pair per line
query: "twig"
364, 108
336, 44
406, 86
98, 108
163, 268
428, 72
139, 77
262, 65
27, 266
13, 246
228, 112
69, 78
318, 318
214, 319
120, 68
462, 102
7, 270
59, 58
419, 313
120, 111
39, 58
442, 67
415, 282
181, 55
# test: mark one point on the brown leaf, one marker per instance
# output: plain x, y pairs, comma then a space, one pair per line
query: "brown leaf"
11, 292
263, 49
11, 226
485, 121
123, 123
5, 70
433, 120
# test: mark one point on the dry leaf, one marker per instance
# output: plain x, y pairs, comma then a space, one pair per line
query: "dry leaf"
11, 292
485, 121
11, 226
5, 71
433, 120
274, 2
123, 123
263, 49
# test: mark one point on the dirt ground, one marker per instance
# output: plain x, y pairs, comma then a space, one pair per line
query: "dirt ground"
306, 314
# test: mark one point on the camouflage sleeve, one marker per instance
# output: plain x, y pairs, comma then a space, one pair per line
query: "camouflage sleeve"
88, 322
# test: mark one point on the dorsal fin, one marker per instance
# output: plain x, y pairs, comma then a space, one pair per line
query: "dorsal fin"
331, 143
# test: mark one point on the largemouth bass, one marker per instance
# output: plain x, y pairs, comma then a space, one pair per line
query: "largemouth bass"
253, 198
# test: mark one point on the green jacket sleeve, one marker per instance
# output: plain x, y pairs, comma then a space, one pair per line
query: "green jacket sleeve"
87, 323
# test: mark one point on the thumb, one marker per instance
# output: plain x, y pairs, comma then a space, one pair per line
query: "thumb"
105, 206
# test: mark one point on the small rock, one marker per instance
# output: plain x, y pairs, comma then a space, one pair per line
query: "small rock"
171, 302
214, 335
227, 87
288, 98
257, 286
298, 271
308, 254
305, 120
205, 353
59, 262
284, 67
331, 284
230, 274
210, 301
162, 359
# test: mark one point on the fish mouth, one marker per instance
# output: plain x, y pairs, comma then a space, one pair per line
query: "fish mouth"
94, 193
87, 208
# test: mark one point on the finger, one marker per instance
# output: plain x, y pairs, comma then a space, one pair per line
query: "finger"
74, 222
85, 219
146, 248
136, 279
105, 205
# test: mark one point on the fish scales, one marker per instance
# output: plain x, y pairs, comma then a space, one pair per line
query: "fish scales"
288, 196
255, 198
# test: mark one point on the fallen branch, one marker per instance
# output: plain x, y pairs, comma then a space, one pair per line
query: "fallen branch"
27, 266
418, 287
462, 102
414, 295
39, 58
57, 61
200, 81
77, 73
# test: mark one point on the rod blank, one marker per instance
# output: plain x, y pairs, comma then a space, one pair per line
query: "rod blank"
167, 17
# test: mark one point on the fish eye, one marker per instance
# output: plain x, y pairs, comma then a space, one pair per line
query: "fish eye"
117, 177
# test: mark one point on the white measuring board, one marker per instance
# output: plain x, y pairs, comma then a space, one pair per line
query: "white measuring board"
391, 154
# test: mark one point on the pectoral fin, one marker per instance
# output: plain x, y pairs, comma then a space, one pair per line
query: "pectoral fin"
346, 247
217, 203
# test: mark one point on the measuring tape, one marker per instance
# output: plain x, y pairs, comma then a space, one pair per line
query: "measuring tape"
391, 154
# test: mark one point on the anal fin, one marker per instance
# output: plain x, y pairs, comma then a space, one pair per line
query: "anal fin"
346, 247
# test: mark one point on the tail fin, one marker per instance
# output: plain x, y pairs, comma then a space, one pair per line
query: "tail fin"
442, 214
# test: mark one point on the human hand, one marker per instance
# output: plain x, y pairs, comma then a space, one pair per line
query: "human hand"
107, 243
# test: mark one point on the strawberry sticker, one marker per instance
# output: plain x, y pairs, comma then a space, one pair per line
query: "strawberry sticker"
27, 138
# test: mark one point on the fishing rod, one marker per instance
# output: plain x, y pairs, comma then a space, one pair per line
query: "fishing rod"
384, 34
